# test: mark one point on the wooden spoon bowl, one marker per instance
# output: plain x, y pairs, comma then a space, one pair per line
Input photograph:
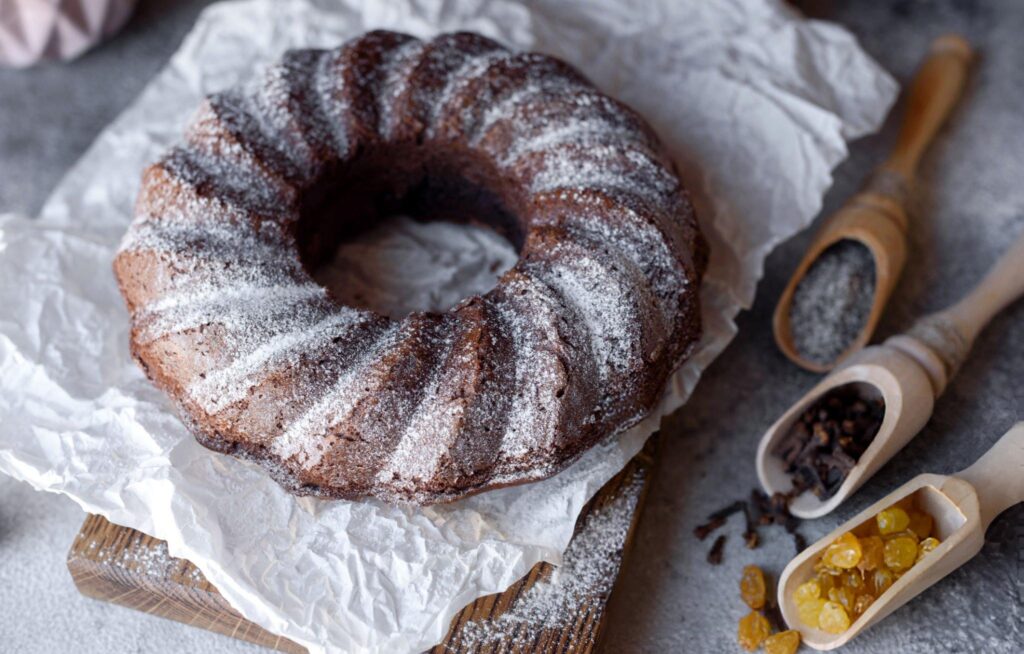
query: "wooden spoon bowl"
880, 225
877, 216
877, 373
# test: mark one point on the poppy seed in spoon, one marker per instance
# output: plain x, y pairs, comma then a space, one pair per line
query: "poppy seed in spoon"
832, 302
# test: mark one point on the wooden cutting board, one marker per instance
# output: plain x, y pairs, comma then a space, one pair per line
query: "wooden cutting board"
124, 566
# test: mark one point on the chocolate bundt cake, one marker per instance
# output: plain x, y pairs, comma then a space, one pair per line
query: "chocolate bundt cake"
574, 343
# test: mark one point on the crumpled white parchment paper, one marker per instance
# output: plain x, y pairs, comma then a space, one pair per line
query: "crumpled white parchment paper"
756, 103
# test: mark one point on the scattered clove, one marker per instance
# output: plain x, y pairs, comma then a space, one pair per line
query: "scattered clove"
702, 531
800, 542
750, 537
717, 551
716, 520
759, 510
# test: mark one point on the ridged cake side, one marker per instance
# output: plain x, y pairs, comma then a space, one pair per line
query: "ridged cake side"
574, 343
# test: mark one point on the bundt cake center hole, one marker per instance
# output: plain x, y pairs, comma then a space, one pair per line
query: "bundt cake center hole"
404, 230
407, 265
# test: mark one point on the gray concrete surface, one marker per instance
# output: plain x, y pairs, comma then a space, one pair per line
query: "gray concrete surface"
971, 202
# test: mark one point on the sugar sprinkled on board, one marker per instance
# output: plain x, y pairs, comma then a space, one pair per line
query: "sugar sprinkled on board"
832, 302
151, 560
588, 571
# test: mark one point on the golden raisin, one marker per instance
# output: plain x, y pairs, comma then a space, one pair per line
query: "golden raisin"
833, 618
900, 553
844, 552
872, 549
869, 528
826, 582
892, 520
926, 546
862, 604
858, 567
752, 587
810, 610
920, 524
753, 629
906, 533
844, 596
809, 590
824, 570
881, 580
853, 580
784, 642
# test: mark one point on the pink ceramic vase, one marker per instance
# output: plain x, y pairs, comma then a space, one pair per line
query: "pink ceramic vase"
35, 30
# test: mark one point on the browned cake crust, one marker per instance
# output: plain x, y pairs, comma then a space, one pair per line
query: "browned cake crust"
574, 343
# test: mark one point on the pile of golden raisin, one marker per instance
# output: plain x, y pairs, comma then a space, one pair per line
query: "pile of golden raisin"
861, 565
754, 629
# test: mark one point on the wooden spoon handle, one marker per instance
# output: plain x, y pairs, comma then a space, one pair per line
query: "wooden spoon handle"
1003, 284
951, 333
998, 476
935, 90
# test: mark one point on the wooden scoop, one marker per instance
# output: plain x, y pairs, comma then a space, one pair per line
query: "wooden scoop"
962, 506
907, 372
877, 216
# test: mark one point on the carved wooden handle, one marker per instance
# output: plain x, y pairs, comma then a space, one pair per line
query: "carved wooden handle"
1003, 284
998, 476
950, 333
935, 90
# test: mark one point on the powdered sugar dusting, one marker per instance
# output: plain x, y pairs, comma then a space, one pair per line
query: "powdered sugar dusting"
468, 71
332, 101
613, 168
604, 302
241, 307
282, 104
585, 133
538, 85
395, 78
428, 436
531, 318
231, 383
586, 576
304, 438
194, 244
151, 560
234, 165
637, 240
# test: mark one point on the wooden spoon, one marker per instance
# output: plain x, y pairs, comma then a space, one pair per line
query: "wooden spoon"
907, 372
877, 216
962, 506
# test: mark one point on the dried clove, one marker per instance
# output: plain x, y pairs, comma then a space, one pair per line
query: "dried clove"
717, 519
825, 442
799, 541
702, 531
717, 550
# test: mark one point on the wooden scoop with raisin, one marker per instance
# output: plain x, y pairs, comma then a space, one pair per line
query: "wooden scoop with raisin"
898, 547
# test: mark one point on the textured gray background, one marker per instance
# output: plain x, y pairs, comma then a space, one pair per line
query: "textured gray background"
970, 203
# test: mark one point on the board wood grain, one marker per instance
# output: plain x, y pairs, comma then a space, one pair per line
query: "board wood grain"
126, 567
